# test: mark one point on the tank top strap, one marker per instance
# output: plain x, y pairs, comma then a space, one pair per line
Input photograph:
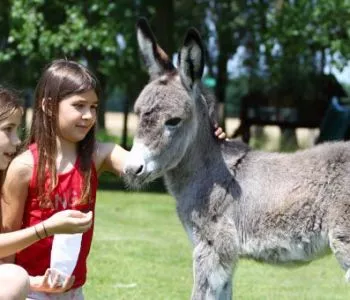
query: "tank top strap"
34, 180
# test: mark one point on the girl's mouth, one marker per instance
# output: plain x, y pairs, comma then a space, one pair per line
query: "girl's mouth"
9, 155
83, 126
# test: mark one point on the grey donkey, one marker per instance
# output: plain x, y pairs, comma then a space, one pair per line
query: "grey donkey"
233, 201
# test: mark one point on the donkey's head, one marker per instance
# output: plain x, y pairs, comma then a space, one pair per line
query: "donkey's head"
168, 108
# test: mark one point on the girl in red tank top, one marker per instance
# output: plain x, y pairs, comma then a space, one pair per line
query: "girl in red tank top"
59, 172
13, 277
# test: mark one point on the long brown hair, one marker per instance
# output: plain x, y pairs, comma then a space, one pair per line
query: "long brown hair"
9, 103
60, 79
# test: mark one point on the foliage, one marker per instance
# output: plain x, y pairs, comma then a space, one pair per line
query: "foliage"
278, 37
302, 35
94, 32
103, 136
47, 29
347, 88
233, 94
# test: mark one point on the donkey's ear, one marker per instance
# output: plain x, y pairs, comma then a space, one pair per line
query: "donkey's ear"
191, 58
155, 59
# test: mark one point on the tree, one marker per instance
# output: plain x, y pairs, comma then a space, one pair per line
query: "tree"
87, 31
279, 37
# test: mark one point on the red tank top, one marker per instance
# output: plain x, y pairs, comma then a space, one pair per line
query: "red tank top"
36, 258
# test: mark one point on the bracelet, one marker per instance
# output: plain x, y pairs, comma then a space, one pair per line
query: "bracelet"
46, 235
37, 233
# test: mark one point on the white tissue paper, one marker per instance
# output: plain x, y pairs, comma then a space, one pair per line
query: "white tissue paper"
65, 252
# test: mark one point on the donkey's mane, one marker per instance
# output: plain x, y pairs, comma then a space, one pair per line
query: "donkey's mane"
211, 103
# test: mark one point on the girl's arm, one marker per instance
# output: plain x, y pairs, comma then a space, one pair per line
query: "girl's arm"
14, 193
12, 242
68, 221
110, 157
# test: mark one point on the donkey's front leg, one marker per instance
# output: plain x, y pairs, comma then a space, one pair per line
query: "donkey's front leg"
212, 272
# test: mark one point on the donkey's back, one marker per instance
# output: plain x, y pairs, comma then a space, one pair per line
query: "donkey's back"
292, 205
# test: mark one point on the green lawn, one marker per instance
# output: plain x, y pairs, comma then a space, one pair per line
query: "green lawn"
140, 251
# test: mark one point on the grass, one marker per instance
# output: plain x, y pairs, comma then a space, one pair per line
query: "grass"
103, 136
140, 251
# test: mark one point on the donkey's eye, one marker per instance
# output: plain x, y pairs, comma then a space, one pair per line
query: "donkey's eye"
173, 122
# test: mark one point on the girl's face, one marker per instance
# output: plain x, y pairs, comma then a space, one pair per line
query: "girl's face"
9, 139
77, 115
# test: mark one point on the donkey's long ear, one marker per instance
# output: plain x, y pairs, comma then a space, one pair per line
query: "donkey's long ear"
155, 59
191, 58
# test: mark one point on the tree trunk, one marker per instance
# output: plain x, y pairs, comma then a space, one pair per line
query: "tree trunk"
220, 87
162, 22
126, 104
101, 120
94, 57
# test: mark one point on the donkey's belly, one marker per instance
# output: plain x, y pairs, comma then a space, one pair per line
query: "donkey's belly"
278, 250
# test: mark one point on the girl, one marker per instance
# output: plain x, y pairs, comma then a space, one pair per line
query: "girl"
59, 170
14, 277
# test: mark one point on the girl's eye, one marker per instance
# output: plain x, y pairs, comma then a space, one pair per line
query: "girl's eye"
7, 129
173, 122
78, 105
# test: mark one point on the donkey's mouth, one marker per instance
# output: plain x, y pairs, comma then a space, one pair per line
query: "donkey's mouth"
141, 166
137, 182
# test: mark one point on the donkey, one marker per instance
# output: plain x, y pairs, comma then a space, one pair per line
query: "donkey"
233, 201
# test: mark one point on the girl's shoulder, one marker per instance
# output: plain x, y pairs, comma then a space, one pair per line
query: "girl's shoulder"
17, 181
22, 166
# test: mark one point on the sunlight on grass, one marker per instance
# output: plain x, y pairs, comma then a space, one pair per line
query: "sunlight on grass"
140, 251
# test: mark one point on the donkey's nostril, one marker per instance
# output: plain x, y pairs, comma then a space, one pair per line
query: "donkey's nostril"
134, 169
139, 170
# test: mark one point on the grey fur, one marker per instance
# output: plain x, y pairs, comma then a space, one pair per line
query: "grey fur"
235, 202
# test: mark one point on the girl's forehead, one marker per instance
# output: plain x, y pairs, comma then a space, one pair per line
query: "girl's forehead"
14, 117
89, 96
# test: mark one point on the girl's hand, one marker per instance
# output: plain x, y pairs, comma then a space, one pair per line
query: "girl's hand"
53, 281
219, 132
68, 221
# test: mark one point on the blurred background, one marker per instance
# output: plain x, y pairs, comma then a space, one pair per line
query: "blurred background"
279, 63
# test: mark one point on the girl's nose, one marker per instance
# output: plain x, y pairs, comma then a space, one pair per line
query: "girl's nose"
16, 140
88, 114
